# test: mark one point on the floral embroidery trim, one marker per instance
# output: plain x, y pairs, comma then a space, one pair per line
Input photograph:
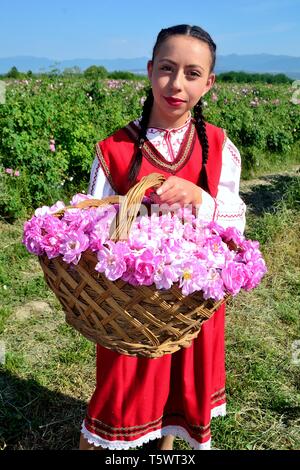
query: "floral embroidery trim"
225, 138
147, 425
219, 392
100, 431
219, 398
186, 153
124, 433
231, 216
95, 179
104, 166
234, 154
201, 431
126, 428
152, 154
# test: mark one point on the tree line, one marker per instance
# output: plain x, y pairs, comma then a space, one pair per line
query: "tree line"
99, 72
93, 72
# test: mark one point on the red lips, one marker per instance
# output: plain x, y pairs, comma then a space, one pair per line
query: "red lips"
173, 101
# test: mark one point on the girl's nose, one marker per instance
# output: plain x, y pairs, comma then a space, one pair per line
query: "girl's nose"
176, 81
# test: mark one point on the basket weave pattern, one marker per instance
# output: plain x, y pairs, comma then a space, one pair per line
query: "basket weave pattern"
133, 320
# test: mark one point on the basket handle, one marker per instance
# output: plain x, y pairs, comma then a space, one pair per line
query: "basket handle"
131, 203
86, 203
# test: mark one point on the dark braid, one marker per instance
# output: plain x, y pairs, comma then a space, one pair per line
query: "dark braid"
201, 131
137, 160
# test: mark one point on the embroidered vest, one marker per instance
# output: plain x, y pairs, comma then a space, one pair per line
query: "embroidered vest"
115, 154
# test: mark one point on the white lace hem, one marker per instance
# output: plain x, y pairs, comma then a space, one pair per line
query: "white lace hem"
218, 411
177, 431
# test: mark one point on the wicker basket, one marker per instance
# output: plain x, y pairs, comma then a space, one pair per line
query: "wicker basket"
132, 320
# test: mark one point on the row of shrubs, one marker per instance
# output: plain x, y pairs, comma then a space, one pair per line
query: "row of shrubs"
49, 128
93, 72
98, 72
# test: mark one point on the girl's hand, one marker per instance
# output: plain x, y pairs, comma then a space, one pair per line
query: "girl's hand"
178, 190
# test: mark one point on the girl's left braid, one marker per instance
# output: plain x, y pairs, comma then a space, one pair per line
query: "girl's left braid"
137, 161
201, 130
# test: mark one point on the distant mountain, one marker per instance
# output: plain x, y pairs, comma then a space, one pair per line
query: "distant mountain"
42, 64
260, 63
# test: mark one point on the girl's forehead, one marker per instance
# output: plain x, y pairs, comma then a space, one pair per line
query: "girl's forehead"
184, 48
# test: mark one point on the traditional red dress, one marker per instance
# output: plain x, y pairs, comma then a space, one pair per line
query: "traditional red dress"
138, 399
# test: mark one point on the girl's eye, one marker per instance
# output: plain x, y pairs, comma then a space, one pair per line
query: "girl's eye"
165, 67
194, 73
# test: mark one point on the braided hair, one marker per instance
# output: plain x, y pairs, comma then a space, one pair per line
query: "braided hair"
201, 131
185, 30
137, 161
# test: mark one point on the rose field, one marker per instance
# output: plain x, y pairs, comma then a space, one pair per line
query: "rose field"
48, 131
49, 127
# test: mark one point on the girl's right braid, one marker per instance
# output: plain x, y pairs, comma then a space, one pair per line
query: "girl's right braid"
137, 161
201, 130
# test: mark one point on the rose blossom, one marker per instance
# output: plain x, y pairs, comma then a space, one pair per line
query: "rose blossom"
73, 245
233, 276
193, 277
165, 276
214, 287
79, 198
111, 260
146, 265
42, 211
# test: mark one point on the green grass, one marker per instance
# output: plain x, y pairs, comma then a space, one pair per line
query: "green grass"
267, 162
49, 370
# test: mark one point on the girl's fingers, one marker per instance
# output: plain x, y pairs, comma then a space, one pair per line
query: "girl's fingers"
168, 195
175, 190
170, 183
163, 188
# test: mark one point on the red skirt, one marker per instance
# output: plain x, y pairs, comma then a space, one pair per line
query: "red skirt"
138, 399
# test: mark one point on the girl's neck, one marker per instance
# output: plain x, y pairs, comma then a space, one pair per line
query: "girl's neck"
167, 123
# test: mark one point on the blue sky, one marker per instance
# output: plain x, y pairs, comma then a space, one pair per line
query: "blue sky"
68, 29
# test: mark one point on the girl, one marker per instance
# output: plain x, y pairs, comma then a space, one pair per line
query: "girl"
138, 400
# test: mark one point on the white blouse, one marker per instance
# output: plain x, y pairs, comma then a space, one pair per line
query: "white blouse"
227, 209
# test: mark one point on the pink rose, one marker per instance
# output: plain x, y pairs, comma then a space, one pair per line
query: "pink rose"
233, 276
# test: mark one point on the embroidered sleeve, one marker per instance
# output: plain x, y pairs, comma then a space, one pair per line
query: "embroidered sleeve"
99, 185
227, 209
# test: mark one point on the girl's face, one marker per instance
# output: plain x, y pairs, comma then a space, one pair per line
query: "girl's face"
179, 75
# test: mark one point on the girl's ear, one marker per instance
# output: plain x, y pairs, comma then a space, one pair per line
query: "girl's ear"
210, 83
211, 80
149, 68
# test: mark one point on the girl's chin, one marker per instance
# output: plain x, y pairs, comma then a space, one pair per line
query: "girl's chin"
167, 115
171, 111
179, 114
